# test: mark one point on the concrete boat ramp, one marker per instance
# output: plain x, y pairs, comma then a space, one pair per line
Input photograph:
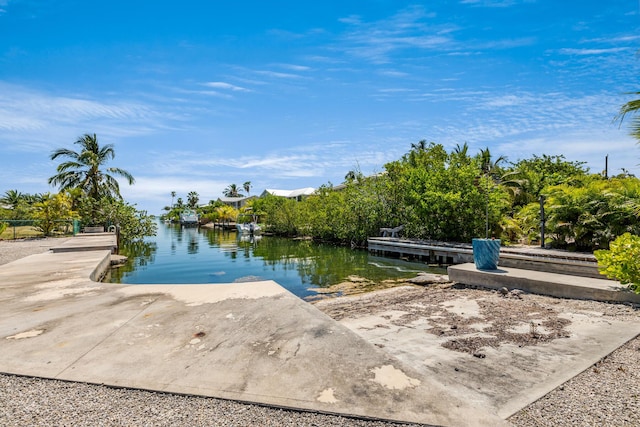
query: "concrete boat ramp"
251, 342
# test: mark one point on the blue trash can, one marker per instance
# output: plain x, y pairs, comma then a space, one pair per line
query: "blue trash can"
486, 253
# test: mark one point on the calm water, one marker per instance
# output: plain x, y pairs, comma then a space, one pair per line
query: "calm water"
200, 255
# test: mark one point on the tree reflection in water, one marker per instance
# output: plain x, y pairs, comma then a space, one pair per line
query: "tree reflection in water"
139, 254
200, 255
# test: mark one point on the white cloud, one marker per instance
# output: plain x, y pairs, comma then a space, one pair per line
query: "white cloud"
375, 41
295, 67
156, 191
585, 52
226, 86
37, 116
495, 3
278, 75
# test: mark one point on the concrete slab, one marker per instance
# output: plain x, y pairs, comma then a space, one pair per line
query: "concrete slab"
501, 378
88, 242
544, 283
251, 342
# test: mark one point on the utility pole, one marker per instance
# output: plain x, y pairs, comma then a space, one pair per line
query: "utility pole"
542, 221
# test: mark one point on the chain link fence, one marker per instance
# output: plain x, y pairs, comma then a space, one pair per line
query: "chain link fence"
11, 229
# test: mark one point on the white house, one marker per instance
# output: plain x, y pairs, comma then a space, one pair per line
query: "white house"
235, 202
290, 194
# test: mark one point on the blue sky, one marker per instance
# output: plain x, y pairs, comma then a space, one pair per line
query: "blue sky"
197, 95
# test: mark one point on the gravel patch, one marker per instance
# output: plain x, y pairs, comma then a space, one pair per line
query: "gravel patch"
38, 402
606, 394
11, 250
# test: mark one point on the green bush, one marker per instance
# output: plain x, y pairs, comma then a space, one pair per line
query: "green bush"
3, 226
622, 261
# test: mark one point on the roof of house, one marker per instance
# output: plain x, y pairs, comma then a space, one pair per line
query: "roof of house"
291, 193
224, 199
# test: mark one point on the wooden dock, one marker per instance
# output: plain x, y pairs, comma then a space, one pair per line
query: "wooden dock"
446, 253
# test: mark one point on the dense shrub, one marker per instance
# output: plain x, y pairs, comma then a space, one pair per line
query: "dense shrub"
621, 261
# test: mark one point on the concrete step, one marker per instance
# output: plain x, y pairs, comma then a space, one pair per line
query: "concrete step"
544, 283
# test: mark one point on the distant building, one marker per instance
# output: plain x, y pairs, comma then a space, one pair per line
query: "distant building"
235, 202
297, 195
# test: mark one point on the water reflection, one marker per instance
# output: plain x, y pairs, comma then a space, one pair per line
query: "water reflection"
201, 255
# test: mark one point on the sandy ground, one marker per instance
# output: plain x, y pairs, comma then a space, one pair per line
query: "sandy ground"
607, 393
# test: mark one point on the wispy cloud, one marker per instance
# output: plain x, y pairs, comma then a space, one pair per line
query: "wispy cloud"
278, 75
409, 28
226, 86
585, 52
295, 67
37, 118
495, 3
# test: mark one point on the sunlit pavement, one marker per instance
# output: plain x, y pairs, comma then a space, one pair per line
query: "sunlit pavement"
252, 342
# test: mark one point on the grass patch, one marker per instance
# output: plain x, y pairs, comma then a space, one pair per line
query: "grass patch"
20, 232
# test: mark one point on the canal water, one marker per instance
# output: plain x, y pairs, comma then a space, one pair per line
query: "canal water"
192, 255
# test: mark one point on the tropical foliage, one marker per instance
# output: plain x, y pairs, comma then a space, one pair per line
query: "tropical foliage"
434, 193
620, 262
233, 190
52, 211
192, 199
449, 196
85, 169
94, 189
590, 214
133, 224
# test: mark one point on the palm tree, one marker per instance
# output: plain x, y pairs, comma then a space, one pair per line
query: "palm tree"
247, 187
631, 107
192, 199
173, 195
232, 191
420, 146
487, 164
84, 169
11, 198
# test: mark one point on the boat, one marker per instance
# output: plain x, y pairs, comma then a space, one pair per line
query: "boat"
188, 217
248, 228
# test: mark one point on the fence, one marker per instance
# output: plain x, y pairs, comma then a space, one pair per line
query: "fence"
23, 229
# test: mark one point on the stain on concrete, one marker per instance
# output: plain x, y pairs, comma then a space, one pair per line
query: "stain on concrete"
327, 396
28, 334
394, 379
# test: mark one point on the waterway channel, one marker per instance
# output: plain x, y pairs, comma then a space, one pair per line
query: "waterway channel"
192, 255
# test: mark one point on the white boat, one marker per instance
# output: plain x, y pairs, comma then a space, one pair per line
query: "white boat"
188, 217
248, 228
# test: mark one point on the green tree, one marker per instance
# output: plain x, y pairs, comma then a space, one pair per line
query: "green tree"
11, 199
593, 214
247, 187
132, 223
232, 190
620, 262
192, 199
226, 213
279, 213
436, 197
52, 210
537, 173
85, 169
